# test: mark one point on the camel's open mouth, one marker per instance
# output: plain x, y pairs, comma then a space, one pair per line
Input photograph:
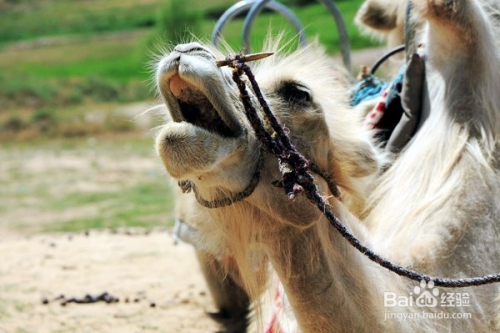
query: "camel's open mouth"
197, 109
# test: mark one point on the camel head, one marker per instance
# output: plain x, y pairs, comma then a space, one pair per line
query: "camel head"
211, 143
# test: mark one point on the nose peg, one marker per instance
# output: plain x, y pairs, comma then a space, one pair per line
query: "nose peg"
229, 61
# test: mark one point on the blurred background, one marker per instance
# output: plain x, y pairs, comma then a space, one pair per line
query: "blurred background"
85, 205
74, 78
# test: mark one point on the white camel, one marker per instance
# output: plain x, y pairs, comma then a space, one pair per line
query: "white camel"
435, 209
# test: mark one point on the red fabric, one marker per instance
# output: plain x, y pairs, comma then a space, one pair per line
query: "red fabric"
274, 326
375, 115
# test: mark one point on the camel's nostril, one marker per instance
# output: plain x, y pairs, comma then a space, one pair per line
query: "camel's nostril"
190, 47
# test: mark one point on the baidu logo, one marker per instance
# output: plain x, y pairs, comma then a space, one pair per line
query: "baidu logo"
426, 295
426, 301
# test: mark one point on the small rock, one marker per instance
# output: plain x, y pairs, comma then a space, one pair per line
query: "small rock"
168, 303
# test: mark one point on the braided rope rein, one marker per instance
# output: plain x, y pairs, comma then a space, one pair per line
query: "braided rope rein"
188, 186
297, 178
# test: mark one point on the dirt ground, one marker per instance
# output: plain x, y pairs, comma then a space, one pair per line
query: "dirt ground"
158, 283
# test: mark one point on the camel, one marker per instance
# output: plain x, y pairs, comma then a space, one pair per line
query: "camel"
434, 209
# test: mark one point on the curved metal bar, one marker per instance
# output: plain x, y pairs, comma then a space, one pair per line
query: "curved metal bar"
255, 6
386, 56
277, 7
231, 12
245, 5
345, 47
249, 19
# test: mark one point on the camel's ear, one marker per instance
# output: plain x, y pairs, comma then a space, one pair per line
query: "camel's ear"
381, 15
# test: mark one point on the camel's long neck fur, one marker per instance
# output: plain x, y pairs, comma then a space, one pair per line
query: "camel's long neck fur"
330, 286
320, 270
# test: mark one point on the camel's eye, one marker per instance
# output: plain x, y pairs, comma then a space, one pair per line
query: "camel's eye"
295, 93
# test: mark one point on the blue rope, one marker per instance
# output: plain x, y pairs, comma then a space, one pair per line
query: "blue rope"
367, 89
371, 87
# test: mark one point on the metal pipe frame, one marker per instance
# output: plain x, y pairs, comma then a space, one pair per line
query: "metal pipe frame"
254, 7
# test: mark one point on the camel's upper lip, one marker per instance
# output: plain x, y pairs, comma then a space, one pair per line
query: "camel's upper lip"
194, 89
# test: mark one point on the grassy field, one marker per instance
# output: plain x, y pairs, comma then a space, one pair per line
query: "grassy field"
31, 19
126, 57
96, 50
73, 185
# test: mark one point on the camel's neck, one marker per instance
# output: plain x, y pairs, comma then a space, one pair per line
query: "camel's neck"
326, 280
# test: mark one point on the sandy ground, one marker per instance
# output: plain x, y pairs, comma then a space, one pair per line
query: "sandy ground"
148, 268
133, 264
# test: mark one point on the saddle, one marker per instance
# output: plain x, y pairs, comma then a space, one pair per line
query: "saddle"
399, 106
403, 103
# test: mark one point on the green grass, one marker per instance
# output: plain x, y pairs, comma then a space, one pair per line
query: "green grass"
100, 70
121, 59
36, 19
54, 200
125, 58
32, 19
147, 205
53, 75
